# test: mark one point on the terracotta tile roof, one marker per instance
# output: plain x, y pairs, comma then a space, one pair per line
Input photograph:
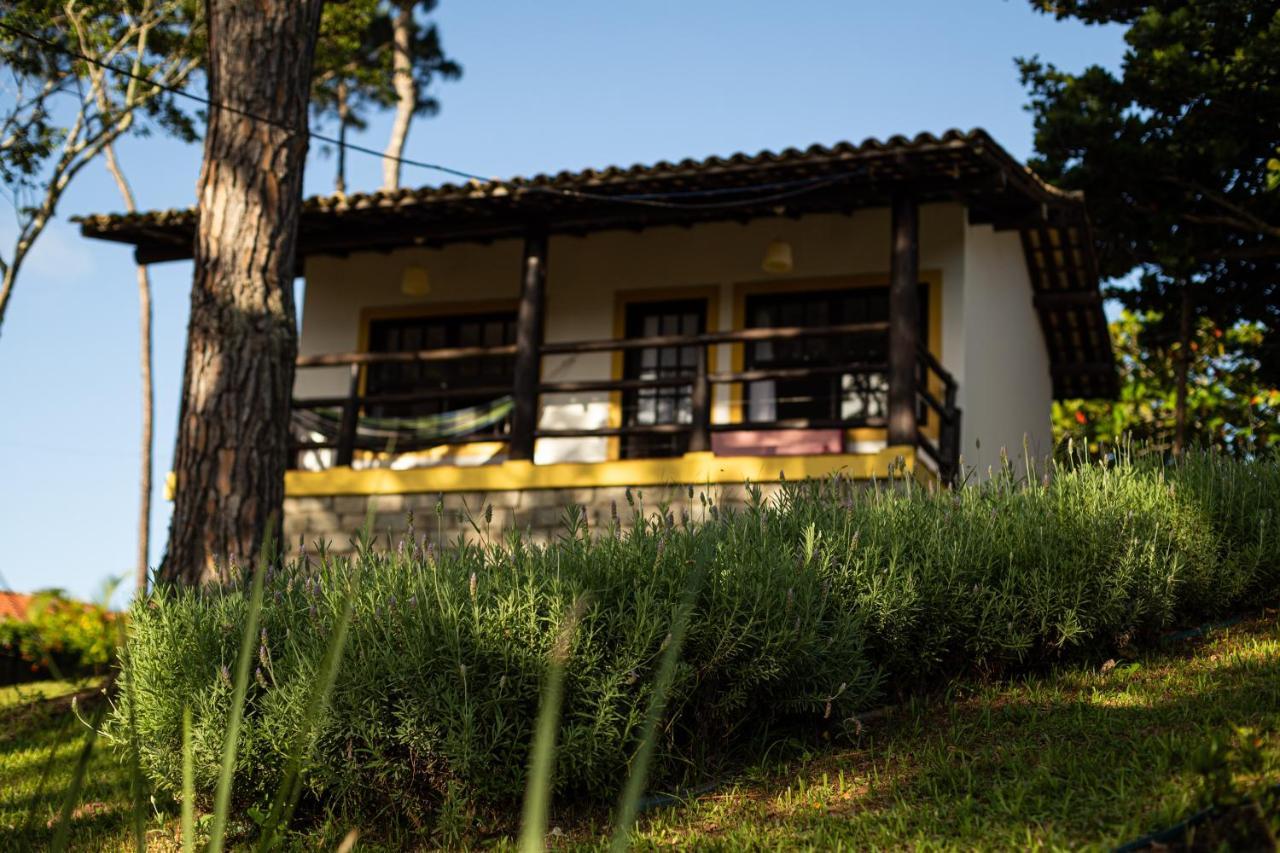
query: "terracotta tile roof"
13, 605
902, 157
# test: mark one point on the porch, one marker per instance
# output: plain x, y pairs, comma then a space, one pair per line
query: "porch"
813, 392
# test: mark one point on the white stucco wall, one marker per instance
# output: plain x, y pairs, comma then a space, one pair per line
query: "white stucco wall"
990, 338
1005, 390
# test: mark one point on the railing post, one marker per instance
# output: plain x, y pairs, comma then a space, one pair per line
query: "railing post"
949, 440
904, 319
700, 404
528, 365
350, 415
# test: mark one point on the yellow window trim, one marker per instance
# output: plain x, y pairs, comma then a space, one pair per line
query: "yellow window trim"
690, 469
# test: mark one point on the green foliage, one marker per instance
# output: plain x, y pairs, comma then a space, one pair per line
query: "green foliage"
811, 608
1175, 153
59, 636
355, 50
1229, 407
353, 70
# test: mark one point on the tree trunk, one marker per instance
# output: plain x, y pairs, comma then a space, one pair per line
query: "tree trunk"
148, 395
344, 115
148, 412
1183, 368
233, 430
406, 93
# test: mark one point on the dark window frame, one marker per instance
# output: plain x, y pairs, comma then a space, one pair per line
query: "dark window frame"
669, 405
822, 398
438, 330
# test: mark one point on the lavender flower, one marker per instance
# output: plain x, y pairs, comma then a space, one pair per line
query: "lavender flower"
224, 673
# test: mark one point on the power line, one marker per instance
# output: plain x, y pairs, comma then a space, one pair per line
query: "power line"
784, 189
174, 90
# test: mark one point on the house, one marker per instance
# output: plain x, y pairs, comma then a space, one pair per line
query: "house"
14, 606
540, 341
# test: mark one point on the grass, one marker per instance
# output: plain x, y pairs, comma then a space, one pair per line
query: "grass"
40, 732
1078, 757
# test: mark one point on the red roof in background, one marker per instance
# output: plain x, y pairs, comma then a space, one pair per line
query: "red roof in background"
13, 605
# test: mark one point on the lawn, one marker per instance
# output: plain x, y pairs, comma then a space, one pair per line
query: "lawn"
1086, 756
41, 737
1083, 757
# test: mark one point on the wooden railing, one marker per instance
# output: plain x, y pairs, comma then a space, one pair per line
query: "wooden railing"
945, 453
700, 382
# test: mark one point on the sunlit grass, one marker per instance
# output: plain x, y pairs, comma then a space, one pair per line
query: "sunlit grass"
41, 737
1082, 757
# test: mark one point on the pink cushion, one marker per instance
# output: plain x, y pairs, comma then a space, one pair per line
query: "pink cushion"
777, 442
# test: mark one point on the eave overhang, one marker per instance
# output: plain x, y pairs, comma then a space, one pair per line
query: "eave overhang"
968, 167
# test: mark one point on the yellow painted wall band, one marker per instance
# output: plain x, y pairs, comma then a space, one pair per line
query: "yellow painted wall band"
519, 475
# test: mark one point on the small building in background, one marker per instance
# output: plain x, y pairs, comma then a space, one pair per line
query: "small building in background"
913, 304
14, 606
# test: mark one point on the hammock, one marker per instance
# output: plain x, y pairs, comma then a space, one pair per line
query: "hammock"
378, 433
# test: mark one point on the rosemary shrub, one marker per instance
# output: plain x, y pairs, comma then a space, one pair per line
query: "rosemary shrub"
796, 613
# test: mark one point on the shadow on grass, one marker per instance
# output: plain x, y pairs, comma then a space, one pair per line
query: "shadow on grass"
29, 806
1071, 758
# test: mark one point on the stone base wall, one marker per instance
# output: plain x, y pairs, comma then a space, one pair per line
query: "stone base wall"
540, 513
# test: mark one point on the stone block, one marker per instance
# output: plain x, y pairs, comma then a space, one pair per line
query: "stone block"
350, 503
308, 504
388, 503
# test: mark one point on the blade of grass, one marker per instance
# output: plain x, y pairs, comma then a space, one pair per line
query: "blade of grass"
222, 796
542, 755
629, 802
188, 785
63, 831
287, 794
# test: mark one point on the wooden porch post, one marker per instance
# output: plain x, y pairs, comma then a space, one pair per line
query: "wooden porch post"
529, 322
904, 318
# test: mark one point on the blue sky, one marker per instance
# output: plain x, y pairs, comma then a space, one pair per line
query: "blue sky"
559, 84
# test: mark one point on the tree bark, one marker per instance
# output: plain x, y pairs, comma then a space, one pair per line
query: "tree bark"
233, 431
406, 93
344, 115
147, 440
148, 395
1180, 378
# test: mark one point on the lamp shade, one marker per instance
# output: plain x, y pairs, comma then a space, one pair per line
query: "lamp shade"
777, 257
414, 281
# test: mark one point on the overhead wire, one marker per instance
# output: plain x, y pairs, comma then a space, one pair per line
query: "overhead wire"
776, 191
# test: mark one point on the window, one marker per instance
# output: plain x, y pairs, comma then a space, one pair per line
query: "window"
668, 405
844, 396
440, 332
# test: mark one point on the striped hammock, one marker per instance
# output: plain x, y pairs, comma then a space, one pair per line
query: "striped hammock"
379, 433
